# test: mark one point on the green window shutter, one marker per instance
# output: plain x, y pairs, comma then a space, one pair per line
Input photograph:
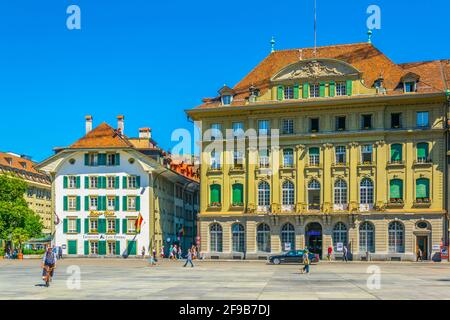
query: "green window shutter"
124, 203
86, 182
332, 88
396, 152
104, 182
138, 203
237, 193
86, 159
116, 182
215, 193
349, 87
396, 189
65, 226
102, 225
138, 181
65, 183
86, 203
78, 182
131, 248
78, 225
314, 151
102, 159
124, 182
117, 159
296, 93
305, 90
86, 247
117, 248
86, 226
65, 205
78, 203
99, 182
117, 203
322, 89
117, 226
280, 93
104, 199
124, 226
422, 150
422, 188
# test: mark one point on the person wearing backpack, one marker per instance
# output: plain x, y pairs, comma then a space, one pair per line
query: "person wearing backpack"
306, 262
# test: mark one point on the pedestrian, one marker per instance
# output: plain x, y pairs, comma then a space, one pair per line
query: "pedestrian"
419, 255
174, 254
143, 252
152, 259
179, 252
162, 254
154, 253
345, 254
330, 251
194, 252
59, 252
48, 264
189, 258
306, 261
171, 252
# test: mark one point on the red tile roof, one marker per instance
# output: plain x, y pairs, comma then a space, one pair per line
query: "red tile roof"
103, 136
24, 167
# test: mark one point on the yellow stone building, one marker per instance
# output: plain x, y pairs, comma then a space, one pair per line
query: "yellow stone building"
38, 195
355, 156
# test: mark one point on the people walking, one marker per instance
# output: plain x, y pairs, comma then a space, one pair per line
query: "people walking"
152, 259
162, 254
179, 252
143, 252
419, 255
171, 252
189, 259
48, 264
59, 253
174, 253
306, 262
329, 253
345, 254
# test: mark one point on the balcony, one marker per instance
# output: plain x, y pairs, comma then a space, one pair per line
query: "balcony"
313, 207
422, 203
237, 206
423, 162
396, 163
365, 207
214, 169
287, 208
340, 207
214, 206
263, 209
237, 168
395, 203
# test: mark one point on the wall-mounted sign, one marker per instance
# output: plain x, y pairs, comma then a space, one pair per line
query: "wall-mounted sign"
104, 237
287, 246
101, 213
339, 247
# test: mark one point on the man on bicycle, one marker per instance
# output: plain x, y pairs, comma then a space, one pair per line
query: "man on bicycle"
48, 263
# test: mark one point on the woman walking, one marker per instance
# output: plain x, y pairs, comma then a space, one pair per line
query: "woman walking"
306, 262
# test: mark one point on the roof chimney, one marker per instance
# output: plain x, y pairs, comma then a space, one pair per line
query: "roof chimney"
88, 124
145, 133
120, 123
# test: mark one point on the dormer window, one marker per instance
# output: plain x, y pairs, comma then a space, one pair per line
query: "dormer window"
410, 81
288, 93
341, 89
226, 95
314, 90
409, 86
226, 100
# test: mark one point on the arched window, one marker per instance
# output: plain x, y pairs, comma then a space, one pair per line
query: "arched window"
288, 237
238, 237
263, 194
215, 195
396, 153
215, 234
339, 234
366, 237
314, 195
366, 191
396, 237
288, 193
396, 191
422, 152
238, 194
340, 192
422, 190
263, 237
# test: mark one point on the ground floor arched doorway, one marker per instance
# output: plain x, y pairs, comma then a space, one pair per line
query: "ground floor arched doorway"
313, 238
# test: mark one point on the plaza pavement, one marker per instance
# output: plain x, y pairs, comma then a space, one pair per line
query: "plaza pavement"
227, 280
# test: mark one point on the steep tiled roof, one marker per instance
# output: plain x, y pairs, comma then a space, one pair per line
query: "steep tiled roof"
103, 136
435, 73
21, 166
364, 56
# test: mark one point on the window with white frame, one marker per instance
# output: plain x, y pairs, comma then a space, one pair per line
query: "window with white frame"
132, 182
340, 234
340, 155
263, 127
226, 100
93, 225
288, 126
71, 225
93, 182
237, 158
72, 182
72, 203
314, 90
366, 153
111, 203
314, 156
111, 159
288, 158
131, 225
366, 191
288, 93
264, 158
93, 247
92, 159
288, 193
111, 182
340, 192
341, 89
238, 129
215, 160
111, 225
111, 248
263, 194
396, 237
131, 203
216, 131
93, 202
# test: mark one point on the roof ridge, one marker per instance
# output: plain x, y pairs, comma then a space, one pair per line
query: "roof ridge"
329, 46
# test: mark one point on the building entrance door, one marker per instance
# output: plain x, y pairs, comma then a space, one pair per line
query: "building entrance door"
422, 244
313, 238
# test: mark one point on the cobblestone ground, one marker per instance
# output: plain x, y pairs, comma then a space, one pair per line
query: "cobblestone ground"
135, 279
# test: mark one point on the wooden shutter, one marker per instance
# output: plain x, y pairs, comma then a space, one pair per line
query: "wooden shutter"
78, 225
117, 248
332, 88
138, 203
117, 226
124, 226
124, 182
86, 159
86, 182
117, 203
124, 203
78, 182
116, 182
102, 159
65, 182
65, 203
305, 90
296, 93
101, 225
86, 247
86, 226
322, 89
65, 226
280, 93
117, 159
349, 87
138, 181
78, 203
86, 203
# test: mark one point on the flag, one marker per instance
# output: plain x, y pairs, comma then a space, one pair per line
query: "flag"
56, 220
138, 224
181, 232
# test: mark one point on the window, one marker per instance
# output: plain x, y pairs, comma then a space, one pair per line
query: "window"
341, 89
111, 159
288, 126
396, 153
93, 247
366, 154
264, 127
340, 155
366, 121
93, 225
339, 234
131, 225
410, 86
215, 233
264, 158
396, 237
215, 195
340, 192
72, 182
93, 203
263, 237
263, 194
366, 237
215, 160
288, 93
131, 203
238, 193
366, 191
226, 100
288, 158
396, 120
314, 90
216, 131
314, 156
237, 159
314, 195
92, 159
238, 237
422, 120
93, 182
422, 190
288, 237
72, 203
132, 182
111, 225
288, 193
314, 124
111, 248
396, 191
111, 203
422, 152
72, 226
238, 129
340, 123
111, 182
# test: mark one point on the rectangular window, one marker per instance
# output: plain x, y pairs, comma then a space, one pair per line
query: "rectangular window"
111, 159
288, 93
72, 203
288, 126
366, 122
340, 123
238, 129
111, 182
132, 182
93, 203
314, 125
131, 203
216, 131
92, 159
215, 160
264, 127
288, 158
314, 90
226, 100
340, 155
396, 120
264, 158
111, 225
111, 247
410, 86
93, 225
131, 225
422, 119
93, 182
314, 156
72, 182
93, 247
111, 203
237, 158
72, 225
341, 89
366, 154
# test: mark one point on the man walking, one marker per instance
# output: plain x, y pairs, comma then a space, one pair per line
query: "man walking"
189, 259
419, 255
345, 250
306, 262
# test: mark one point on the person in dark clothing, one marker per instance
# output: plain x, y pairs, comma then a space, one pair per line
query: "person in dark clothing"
48, 264
189, 259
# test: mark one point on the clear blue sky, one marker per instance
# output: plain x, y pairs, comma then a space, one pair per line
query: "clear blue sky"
150, 60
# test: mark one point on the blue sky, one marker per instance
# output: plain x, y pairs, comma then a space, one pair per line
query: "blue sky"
150, 60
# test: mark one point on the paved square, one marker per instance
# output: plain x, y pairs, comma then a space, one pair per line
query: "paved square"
227, 280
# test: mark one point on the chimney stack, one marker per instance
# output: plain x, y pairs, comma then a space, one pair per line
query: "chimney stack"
88, 123
145, 133
120, 124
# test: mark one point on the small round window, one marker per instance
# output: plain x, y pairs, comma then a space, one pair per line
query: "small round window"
422, 225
